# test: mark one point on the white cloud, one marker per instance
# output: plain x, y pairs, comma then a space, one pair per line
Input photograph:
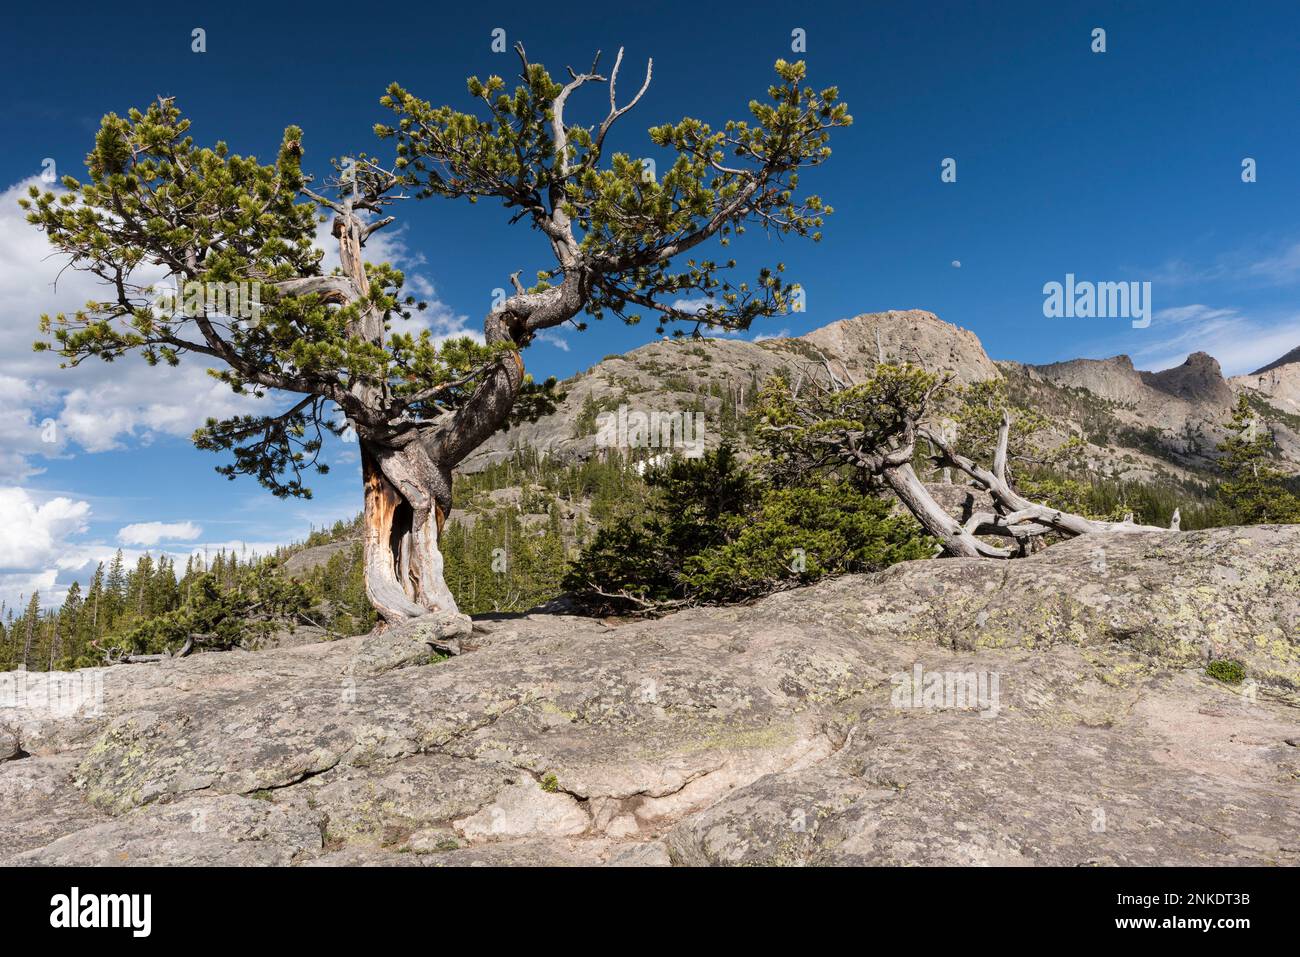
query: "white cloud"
693, 306
1194, 313
27, 428
553, 337
96, 405
772, 335
1281, 268
33, 534
1250, 266
165, 401
17, 587
151, 533
1240, 343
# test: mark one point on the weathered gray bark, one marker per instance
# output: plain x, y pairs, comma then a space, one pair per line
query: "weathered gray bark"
1015, 516
953, 537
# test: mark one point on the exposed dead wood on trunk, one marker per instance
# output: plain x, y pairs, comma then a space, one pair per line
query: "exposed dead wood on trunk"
954, 538
407, 497
382, 538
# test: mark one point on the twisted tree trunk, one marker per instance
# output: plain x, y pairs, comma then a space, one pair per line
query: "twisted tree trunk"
953, 538
406, 471
407, 477
407, 466
408, 490
407, 500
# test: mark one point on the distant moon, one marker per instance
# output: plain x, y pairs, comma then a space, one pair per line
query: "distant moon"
956, 264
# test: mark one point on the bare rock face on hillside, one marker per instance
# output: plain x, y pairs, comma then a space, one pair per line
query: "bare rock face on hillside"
1153, 420
1114, 379
1199, 379
1278, 382
936, 713
308, 559
916, 336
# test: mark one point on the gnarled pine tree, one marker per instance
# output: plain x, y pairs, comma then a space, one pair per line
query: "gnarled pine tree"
620, 240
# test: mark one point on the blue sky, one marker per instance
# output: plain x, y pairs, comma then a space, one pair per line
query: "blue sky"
1115, 166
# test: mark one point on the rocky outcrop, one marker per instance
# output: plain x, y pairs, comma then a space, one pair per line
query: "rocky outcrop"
308, 559
1072, 723
1198, 380
9, 746
1278, 382
916, 336
1114, 379
1143, 422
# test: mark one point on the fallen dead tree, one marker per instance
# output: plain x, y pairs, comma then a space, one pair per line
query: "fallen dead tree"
116, 657
876, 426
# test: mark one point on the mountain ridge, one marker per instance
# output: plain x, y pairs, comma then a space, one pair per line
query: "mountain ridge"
1139, 424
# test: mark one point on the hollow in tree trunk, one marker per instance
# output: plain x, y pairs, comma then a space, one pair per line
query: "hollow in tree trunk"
407, 499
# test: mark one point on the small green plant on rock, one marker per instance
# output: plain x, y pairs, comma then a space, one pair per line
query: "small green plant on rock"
1227, 671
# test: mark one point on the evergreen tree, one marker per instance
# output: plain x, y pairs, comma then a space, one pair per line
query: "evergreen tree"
94, 599
619, 238
715, 532
69, 624
115, 591
30, 620
1253, 488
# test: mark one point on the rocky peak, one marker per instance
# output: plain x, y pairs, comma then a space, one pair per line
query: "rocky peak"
690, 373
911, 335
1180, 410
1199, 379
